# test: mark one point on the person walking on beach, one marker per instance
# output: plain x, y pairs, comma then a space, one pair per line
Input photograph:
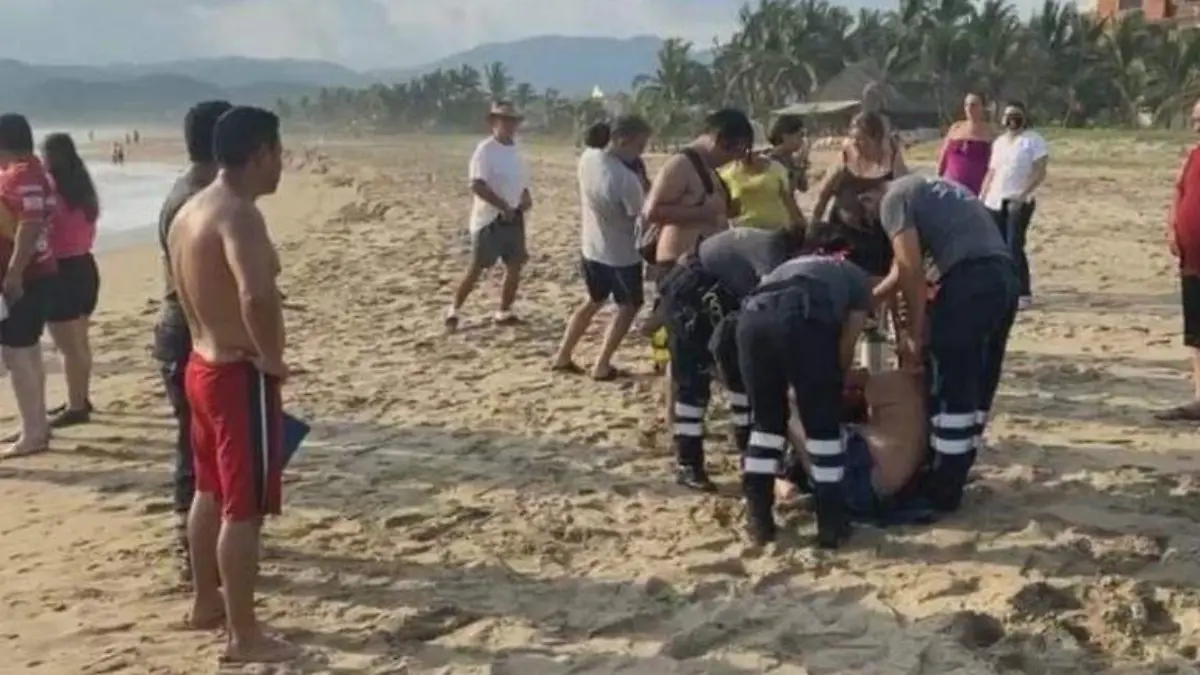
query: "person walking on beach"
224, 267
611, 197
77, 286
172, 340
1183, 240
500, 203
1016, 169
27, 269
967, 150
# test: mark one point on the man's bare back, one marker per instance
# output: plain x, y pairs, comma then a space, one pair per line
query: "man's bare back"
213, 226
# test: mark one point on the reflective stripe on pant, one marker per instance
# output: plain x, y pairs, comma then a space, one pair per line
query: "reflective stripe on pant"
779, 348
968, 333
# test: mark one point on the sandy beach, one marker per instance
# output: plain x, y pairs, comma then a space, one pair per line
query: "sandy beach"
458, 509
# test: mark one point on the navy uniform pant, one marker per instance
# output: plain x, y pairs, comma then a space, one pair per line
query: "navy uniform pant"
785, 343
696, 308
969, 324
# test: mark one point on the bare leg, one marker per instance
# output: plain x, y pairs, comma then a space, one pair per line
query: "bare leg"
577, 325
617, 329
29, 388
71, 338
203, 526
465, 286
508, 292
237, 556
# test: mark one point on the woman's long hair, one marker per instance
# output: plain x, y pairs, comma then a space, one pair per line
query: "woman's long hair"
71, 177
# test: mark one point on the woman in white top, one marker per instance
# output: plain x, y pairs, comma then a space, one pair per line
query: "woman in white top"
611, 192
1016, 169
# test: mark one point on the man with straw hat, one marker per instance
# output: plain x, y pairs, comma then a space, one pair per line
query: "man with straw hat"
500, 194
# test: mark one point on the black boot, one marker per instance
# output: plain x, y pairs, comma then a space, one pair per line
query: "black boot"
689, 457
833, 523
759, 490
945, 482
741, 439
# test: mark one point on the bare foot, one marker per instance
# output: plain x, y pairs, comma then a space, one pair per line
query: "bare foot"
206, 617
24, 448
267, 649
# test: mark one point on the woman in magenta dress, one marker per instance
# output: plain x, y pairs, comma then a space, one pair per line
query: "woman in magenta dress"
968, 147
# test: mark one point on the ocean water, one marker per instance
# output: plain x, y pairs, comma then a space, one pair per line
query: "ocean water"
131, 197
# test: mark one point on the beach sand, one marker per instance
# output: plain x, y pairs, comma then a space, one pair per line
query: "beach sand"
460, 510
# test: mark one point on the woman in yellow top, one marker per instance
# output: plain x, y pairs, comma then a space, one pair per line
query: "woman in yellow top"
762, 190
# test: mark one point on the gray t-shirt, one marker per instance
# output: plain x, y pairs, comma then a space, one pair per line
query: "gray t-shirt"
172, 338
951, 223
837, 286
741, 256
611, 197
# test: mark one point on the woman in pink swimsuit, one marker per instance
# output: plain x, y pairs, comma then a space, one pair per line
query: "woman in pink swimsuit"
77, 287
968, 147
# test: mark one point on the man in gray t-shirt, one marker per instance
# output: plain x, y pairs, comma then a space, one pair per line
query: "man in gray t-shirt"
965, 332
741, 256
610, 199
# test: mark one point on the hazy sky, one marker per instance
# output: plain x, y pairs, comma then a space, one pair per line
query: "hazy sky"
357, 33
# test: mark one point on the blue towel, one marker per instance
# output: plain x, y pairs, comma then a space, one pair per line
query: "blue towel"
294, 432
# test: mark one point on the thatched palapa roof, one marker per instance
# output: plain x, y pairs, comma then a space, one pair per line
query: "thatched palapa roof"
855, 85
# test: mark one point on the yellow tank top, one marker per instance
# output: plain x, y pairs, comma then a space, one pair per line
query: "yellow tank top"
759, 194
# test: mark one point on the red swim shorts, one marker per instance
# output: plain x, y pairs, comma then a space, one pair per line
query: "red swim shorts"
237, 434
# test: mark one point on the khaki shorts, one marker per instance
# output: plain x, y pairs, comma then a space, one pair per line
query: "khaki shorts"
499, 241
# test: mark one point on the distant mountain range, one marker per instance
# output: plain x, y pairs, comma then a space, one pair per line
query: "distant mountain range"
160, 92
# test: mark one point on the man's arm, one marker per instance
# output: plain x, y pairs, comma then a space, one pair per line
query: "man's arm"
478, 171
631, 197
668, 188
251, 260
30, 204
828, 186
909, 265
1173, 211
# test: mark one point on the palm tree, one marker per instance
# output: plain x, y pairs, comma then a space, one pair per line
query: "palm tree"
498, 81
1067, 65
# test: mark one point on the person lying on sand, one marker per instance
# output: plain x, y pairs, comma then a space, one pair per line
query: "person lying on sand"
886, 446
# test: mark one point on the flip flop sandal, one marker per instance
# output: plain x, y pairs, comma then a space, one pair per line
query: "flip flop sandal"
613, 373
509, 320
568, 368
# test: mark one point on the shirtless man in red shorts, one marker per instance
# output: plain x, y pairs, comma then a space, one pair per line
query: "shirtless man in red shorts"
224, 266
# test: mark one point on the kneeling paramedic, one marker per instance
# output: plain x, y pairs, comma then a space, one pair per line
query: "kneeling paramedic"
699, 299
799, 330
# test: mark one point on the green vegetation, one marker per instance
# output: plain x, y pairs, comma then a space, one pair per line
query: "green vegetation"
1073, 69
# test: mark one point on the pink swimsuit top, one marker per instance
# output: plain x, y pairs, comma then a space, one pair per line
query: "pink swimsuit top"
966, 162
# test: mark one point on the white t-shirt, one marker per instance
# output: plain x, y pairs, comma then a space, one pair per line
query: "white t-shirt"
503, 169
610, 197
1011, 164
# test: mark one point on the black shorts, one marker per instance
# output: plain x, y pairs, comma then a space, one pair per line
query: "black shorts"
1190, 287
76, 289
27, 317
622, 284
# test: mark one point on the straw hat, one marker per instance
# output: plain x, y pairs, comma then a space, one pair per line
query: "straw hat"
504, 110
